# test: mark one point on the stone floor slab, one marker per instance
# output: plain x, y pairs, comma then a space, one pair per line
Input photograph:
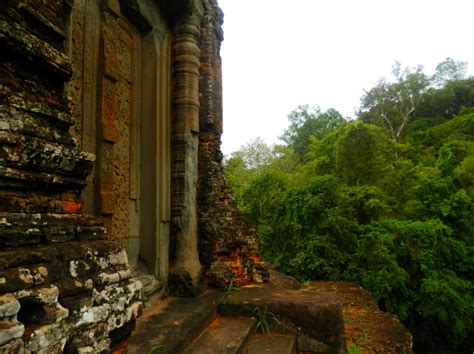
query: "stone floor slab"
314, 317
226, 335
271, 344
173, 323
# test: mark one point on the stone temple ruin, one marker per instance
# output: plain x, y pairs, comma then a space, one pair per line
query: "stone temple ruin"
110, 167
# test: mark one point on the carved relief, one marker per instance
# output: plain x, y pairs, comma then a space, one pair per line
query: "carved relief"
118, 159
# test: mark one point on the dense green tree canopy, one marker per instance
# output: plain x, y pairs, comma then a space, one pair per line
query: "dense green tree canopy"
307, 122
386, 201
449, 70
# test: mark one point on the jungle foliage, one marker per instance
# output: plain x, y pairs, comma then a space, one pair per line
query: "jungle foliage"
385, 200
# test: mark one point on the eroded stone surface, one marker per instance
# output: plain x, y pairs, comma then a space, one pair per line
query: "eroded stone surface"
227, 335
271, 344
314, 317
10, 330
46, 295
54, 261
73, 284
15, 346
9, 305
45, 337
174, 322
227, 243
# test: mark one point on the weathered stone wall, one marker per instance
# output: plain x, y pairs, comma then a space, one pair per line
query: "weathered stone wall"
228, 245
207, 228
120, 101
63, 286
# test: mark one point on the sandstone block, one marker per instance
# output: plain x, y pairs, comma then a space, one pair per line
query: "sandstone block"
45, 337
44, 295
282, 281
108, 202
13, 347
94, 315
10, 330
314, 317
45, 314
9, 305
111, 293
105, 278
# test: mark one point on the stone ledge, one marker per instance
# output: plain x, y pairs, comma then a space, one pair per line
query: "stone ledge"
227, 335
31, 153
10, 330
174, 322
9, 306
15, 346
24, 179
21, 116
315, 318
272, 344
21, 41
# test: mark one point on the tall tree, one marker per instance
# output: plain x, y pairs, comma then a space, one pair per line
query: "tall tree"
246, 163
447, 101
392, 104
255, 154
306, 121
449, 70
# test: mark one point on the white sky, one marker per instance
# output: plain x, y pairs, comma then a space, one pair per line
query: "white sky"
278, 54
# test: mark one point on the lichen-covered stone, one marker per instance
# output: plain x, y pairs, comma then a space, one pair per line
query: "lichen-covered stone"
10, 330
9, 305
15, 346
46, 295
45, 337
127, 291
16, 38
44, 314
53, 259
66, 274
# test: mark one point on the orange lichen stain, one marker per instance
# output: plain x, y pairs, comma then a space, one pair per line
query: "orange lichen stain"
215, 322
120, 347
255, 258
50, 101
225, 201
71, 207
239, 273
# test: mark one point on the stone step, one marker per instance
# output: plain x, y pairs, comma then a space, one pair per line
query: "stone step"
315, 317
171, 325
271, 344
225, 335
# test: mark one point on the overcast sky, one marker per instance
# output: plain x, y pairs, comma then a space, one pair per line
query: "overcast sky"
278, 54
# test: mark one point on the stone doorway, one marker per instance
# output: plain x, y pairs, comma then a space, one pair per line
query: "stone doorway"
120, 99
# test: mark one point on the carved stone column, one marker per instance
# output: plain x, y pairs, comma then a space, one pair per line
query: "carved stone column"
186, 270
